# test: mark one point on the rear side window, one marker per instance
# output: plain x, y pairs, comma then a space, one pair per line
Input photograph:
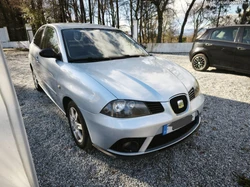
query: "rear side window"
246, 36
225, 34
38, 37
202, 35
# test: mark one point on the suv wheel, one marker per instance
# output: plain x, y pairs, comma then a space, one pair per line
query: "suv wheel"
200, 62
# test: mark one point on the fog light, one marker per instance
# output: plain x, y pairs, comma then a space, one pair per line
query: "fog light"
130, 146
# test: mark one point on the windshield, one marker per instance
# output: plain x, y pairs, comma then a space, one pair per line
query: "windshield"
99, 44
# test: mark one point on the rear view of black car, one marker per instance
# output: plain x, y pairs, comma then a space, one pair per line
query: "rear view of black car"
224, 48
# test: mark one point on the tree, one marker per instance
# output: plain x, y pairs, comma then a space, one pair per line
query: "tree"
161, 7
185, 19
199, 16
219, 8
244, 18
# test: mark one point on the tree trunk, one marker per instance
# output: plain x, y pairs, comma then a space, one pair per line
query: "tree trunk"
90, 11
218, 18
62, 11
185, 20
117, 14
75, 8
83, 12
160, 23
112, 12
103, 12
99, 11
131, 17
141, 8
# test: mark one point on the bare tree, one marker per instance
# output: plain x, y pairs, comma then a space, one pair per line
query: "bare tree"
185, 19
83, 12
161, 7
90, 11
199, 16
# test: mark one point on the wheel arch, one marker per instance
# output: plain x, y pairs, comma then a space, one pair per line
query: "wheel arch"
65, 102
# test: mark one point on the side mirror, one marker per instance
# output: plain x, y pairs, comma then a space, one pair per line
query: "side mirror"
50, 53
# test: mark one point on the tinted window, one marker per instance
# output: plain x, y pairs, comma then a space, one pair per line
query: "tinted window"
50, 39
38, 36
225, 34
246, 36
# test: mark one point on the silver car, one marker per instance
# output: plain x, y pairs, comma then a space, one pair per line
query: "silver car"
116, 96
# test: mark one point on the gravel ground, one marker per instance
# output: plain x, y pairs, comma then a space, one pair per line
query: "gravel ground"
210, 157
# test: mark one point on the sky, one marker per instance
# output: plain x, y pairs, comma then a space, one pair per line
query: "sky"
181, 6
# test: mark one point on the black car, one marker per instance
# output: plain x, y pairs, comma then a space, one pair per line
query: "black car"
224, 48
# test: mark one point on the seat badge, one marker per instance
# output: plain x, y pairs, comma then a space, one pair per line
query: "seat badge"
180, 104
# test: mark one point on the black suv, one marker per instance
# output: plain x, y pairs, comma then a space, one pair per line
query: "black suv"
224, 48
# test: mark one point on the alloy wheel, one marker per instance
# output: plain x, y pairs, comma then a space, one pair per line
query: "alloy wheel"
75, 124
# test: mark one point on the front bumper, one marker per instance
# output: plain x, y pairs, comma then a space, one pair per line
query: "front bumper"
106, 132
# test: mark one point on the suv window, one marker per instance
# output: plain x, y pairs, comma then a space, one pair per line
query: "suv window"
50, 40
38, 36
246, 36
225, 34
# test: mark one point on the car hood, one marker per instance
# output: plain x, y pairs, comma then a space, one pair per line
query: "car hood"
141, 78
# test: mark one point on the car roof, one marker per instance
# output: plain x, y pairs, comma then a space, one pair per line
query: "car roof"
61, 26
220, 27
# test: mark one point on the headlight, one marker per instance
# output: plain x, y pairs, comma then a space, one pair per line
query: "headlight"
196, 88
125, 109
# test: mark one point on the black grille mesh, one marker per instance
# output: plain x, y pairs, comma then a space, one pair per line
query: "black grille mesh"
154, 107
191, 94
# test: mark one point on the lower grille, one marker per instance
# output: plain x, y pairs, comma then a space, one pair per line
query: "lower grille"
161, 140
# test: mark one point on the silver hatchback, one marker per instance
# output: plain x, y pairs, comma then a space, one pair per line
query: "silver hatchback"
116, 96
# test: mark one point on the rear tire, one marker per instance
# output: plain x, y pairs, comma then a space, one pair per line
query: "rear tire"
200, 62
78, 127
36, 84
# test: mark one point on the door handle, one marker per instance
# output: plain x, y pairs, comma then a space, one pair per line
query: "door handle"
241, 48
208, 44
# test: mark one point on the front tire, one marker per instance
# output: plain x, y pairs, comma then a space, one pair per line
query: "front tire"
200, 62
78, 127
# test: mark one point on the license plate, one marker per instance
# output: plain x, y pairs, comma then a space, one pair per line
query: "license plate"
181, 122
164, 130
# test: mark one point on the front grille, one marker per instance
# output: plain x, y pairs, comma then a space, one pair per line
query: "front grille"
161, 140
191, 94
179, 104
154, 107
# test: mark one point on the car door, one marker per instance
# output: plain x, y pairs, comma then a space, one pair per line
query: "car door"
221, 46
242, 54
50, 66
35, 48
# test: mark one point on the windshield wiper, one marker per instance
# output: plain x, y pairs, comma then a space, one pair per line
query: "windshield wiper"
89, 59
127, 56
